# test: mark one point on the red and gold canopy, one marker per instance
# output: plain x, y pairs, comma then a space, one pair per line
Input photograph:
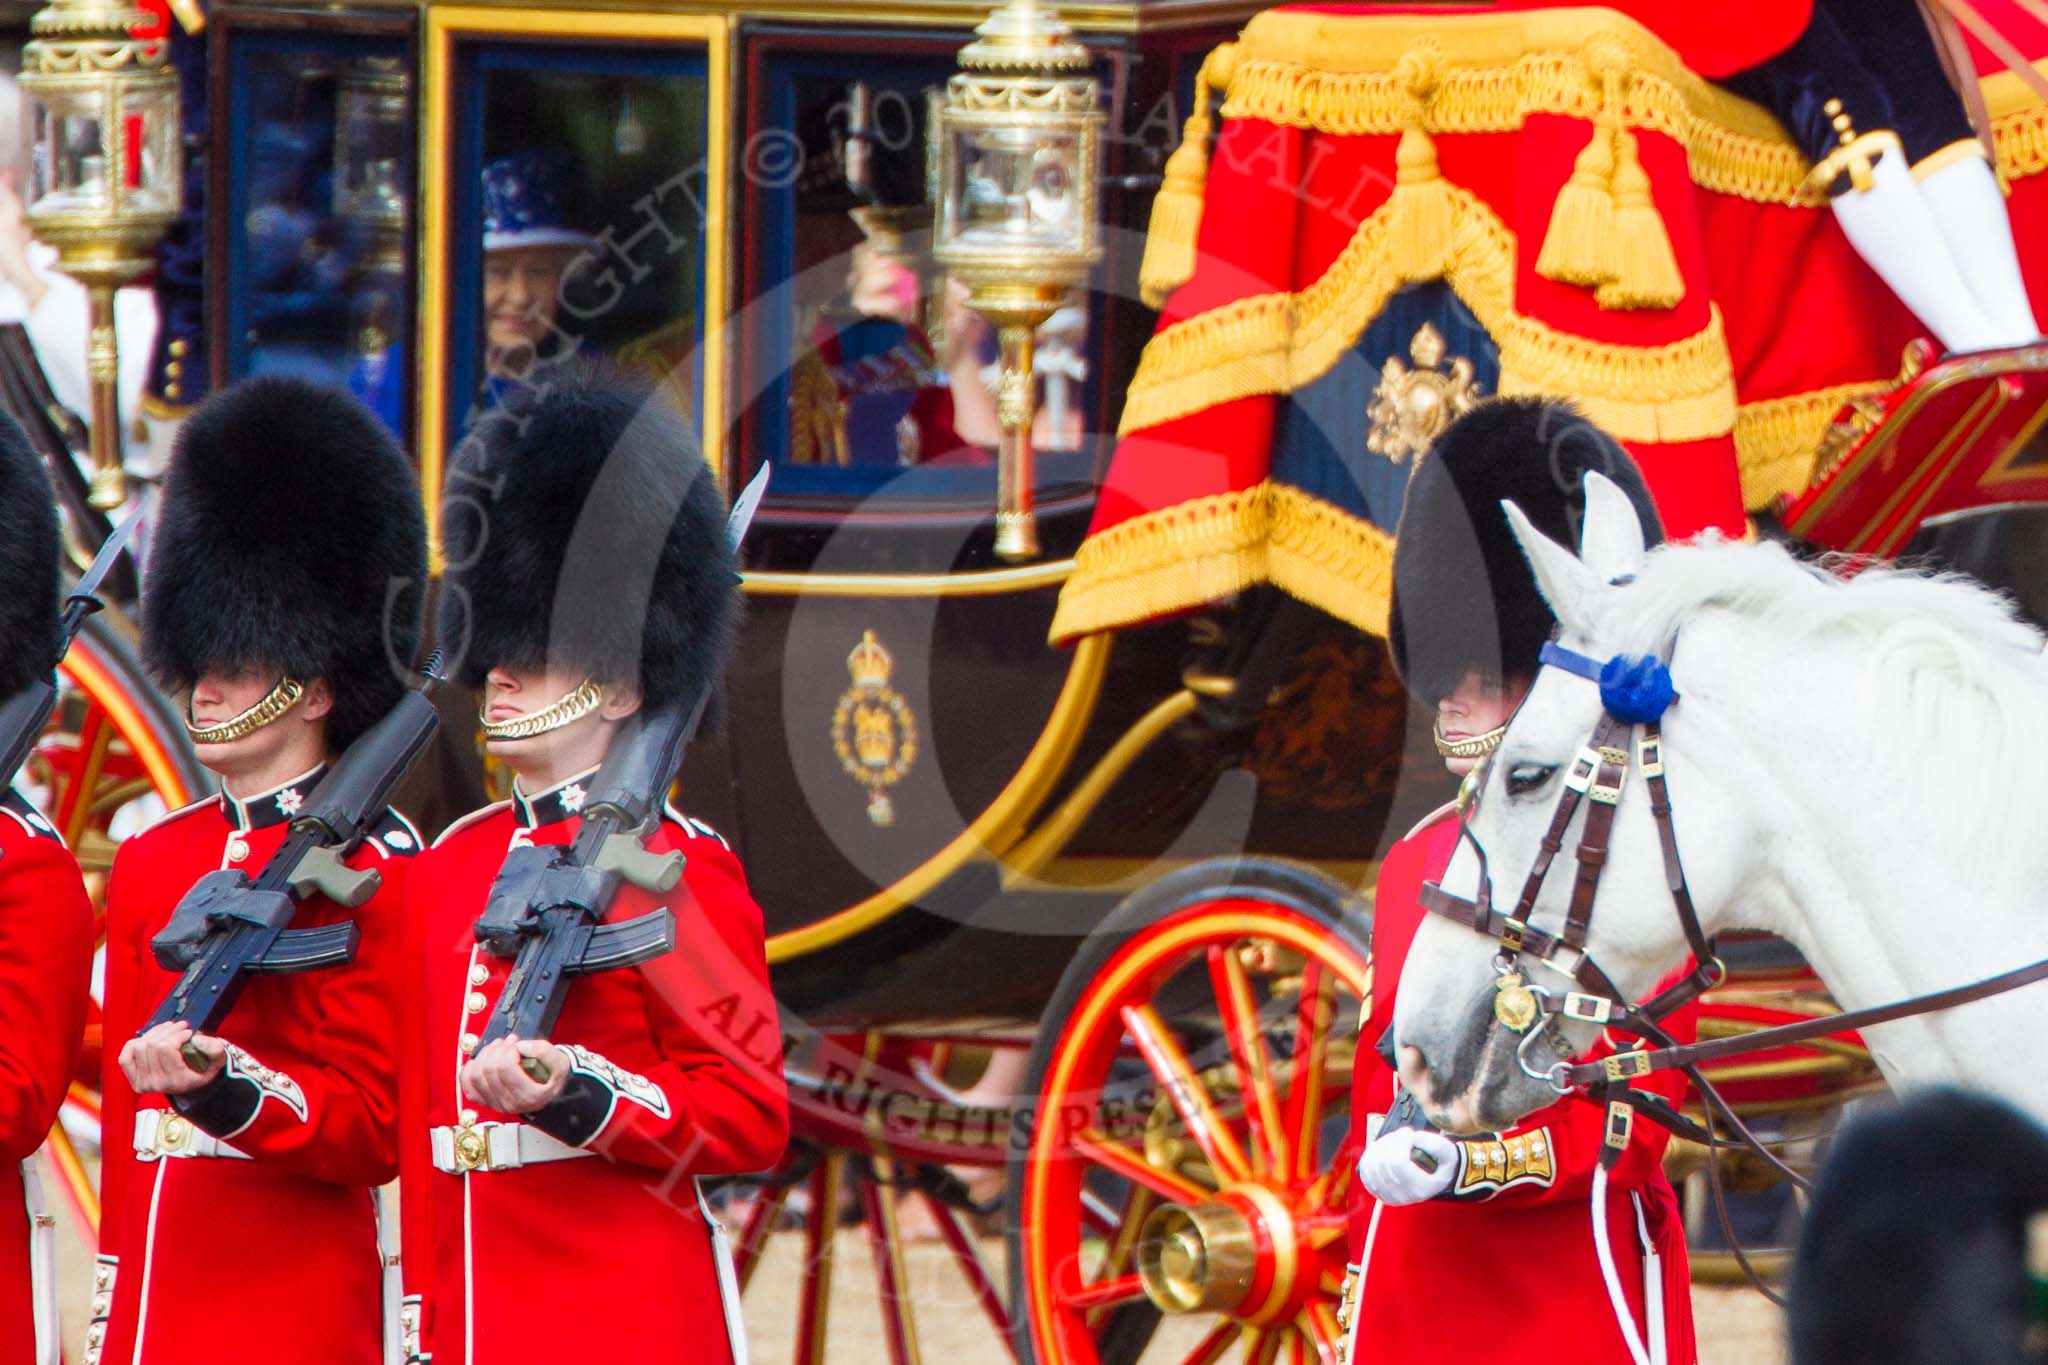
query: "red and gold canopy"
1624, 232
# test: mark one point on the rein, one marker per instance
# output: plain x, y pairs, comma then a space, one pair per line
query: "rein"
1634, 695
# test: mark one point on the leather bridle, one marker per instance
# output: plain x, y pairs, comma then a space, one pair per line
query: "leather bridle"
1596, 779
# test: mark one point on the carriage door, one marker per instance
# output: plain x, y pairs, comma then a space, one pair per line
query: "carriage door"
894, 675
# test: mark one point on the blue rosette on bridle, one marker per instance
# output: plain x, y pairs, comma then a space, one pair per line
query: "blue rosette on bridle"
1636, 689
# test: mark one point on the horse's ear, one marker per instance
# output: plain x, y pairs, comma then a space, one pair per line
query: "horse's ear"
1611, 541
1560, 577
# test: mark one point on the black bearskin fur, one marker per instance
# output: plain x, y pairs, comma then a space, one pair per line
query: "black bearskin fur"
30, 571
1914, 1247
290, 537
583, 530
1464, 597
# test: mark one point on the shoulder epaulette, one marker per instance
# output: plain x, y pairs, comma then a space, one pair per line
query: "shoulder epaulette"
24, 813
695, 828
464, 822
395, 834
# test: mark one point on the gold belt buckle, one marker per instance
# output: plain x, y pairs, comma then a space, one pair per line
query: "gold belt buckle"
472, 1148
173, 1134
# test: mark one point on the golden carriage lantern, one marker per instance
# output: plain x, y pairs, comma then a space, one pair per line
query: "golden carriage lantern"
106, 175
1018, 154
372, 128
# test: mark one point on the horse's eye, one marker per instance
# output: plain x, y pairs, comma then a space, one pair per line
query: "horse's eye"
1524, 778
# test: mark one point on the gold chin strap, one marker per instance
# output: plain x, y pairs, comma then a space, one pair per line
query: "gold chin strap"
281, 699
1479, 746
553, 716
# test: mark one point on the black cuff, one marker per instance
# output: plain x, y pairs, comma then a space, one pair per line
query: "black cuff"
575, 1115
224, 1106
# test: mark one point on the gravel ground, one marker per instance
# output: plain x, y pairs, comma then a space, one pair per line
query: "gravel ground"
1736, 1327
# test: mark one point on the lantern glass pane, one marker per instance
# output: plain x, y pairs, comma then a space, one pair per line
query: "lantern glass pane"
150, 115
373, 127
1016, 189
69, 173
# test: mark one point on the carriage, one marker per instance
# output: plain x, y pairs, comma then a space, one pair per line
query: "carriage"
1130, 870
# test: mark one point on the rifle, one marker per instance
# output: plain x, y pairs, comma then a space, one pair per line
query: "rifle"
23, 715
229, 926
546, 905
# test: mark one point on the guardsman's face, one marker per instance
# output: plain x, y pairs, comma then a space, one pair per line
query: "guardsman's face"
223, 694
547, 758
1477, 705
522, 290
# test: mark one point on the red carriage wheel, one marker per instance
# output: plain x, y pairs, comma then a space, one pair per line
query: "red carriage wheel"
1181, 1194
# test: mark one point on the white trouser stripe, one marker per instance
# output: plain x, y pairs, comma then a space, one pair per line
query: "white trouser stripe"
728, 1280
156, 1191
42, 1263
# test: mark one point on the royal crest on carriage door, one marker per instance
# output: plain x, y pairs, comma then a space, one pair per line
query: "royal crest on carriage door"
874, 731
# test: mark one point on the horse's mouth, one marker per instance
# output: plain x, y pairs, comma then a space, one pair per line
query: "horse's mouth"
1491, 1092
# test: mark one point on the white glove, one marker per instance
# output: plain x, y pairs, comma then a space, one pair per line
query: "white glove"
1390, 1172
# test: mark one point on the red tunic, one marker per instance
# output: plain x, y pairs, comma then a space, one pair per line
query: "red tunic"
1451, 1280
45, 972
610, 1255
273, 1258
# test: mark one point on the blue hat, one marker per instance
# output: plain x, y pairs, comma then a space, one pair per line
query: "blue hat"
526, 201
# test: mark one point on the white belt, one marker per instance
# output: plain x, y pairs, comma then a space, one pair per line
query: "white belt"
497, 1147
164, 1132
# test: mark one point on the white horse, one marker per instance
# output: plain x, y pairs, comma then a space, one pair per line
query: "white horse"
1859, 765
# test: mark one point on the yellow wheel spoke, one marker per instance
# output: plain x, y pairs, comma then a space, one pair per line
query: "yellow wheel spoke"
1311, 1050
1190, 1097
1132, 1166
1248, 1047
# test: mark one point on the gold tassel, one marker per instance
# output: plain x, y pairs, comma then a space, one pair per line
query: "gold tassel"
1646, 273
1582, 220
1419, 213
1169, 259
1580, 237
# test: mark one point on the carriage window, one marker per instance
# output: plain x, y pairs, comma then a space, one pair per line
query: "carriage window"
582, 227
864, 373
320, 184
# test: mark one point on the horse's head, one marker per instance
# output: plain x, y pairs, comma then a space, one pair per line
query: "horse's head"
1454, 1053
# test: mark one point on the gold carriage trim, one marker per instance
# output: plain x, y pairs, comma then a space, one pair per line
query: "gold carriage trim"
1195, 552
1775, 439
1276, 343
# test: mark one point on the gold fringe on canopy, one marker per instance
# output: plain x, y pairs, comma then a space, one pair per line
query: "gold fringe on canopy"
1195, 552
1775, 439
1329, 73
1277, 343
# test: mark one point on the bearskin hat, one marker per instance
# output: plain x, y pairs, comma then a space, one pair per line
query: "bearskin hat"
583, 531
1914, 1246
290, 536
29, 563
1464, 598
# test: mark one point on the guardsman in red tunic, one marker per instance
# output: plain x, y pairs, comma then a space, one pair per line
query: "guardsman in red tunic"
588, 575
1494, 1244
45, 922
282, 598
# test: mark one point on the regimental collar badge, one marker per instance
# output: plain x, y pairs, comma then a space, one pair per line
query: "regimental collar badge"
563, 801
278, 806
